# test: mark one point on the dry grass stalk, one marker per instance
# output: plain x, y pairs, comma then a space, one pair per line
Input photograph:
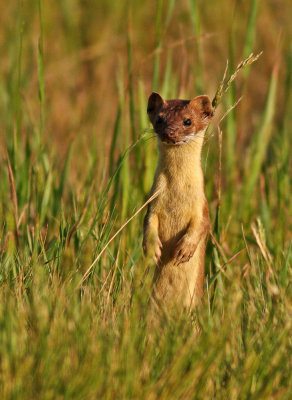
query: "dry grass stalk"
224, 85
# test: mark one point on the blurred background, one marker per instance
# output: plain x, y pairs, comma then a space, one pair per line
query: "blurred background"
91, 50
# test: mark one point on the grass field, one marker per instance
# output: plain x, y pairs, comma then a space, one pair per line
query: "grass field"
77, 161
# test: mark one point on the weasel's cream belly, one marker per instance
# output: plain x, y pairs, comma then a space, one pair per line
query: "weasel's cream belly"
181, 284
178, 284
175, 209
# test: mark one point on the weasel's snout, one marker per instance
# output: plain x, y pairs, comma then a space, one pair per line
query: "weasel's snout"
167, 134
170, 133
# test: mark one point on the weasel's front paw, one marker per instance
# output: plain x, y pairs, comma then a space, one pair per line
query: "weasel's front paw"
157, 250
184, 250
152, 248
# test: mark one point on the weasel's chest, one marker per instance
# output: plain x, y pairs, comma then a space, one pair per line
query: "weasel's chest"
175, 207
177, 200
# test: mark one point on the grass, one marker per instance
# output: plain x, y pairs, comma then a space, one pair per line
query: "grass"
78, 158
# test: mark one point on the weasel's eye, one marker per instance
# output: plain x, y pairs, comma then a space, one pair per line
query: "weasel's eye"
159, 120
187, 122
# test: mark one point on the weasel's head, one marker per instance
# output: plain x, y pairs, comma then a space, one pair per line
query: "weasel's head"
179, 121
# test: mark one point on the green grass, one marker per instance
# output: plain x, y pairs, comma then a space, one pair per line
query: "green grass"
77, 161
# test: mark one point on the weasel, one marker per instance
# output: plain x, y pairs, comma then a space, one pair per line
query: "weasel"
176, 225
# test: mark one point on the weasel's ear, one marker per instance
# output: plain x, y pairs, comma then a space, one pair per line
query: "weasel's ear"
203, 106
155, 102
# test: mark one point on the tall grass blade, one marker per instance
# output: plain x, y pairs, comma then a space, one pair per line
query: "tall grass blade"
125, 180
148, 144
231, 129
261, 142
131, 82
250, 34
158, 40
64, 174
118, 121
198, 69
46, 198
41, 74
16, 132
13, 197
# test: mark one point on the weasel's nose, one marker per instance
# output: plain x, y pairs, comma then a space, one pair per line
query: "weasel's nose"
170, 133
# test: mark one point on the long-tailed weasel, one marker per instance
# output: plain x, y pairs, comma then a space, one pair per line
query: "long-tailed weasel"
176, 224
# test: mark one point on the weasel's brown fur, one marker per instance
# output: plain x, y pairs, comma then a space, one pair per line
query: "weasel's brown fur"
176, 225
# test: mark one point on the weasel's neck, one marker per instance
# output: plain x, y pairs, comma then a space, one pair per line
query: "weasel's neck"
182, 162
